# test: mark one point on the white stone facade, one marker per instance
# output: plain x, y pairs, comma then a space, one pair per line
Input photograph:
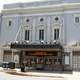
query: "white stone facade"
60, 14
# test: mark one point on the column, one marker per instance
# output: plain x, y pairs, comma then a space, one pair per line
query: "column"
71, 55
48, 30
33, 30
12, 58
1, 55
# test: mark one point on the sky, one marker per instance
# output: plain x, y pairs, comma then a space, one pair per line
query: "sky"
15, 1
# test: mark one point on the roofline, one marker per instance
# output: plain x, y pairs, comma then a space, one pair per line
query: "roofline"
58, 7
22, 3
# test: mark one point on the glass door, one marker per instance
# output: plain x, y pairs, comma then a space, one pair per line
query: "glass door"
40, 63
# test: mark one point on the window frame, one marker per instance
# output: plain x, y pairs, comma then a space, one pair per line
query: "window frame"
10, 23
77, 19
27, 35
41, 34
56, 33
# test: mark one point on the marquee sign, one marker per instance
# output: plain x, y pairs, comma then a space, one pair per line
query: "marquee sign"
35, 46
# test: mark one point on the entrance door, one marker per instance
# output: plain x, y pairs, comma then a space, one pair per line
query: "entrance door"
39, 63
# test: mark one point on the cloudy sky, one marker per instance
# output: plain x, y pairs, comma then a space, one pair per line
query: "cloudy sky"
14, 1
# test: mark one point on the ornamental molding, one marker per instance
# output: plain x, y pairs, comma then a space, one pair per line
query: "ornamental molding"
59, 24
43, 9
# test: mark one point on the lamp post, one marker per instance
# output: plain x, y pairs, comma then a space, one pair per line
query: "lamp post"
12, 58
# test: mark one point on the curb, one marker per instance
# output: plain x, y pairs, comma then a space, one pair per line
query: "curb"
27, 74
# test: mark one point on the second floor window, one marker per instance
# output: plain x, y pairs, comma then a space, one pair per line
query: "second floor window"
56, 34
76, 19
27, 33
10, 22
41, 34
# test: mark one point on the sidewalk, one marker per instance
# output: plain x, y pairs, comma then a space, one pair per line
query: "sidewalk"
62, 75
37, 73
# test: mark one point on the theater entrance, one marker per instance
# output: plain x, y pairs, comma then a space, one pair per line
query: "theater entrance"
39, 63
43, 60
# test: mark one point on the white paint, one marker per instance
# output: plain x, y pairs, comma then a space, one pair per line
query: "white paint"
67, 60
16, 58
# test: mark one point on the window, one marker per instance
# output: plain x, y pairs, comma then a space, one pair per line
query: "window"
10, 23
41, 34
27, 20
76, 19
41, 19
56, 34
56, 18
27, 33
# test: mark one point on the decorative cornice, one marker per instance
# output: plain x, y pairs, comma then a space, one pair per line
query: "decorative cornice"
43, 9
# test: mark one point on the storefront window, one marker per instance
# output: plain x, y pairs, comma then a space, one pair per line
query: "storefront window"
48, 61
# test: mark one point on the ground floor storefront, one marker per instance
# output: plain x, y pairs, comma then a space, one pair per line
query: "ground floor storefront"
38, 57
42, 60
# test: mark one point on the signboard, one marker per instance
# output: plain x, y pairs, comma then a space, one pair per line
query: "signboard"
16, 58
67, 60
38, 53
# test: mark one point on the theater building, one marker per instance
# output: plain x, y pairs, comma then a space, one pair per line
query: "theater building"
41, 35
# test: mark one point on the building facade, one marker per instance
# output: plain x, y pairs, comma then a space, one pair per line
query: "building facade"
41, 35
